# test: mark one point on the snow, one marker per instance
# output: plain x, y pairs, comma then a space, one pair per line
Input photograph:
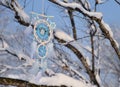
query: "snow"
5, 46
88, 61
58, 79
76, 5
94, 14
108, 28
61, 79
50, 72
75, 71
3, 2
28, 30
20, 11
87, 4
100, 1
16, 52
62, 35
110, 32
98, 78
88, 48
15, 76
116, 43
23, 16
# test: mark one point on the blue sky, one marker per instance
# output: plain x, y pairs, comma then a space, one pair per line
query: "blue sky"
111, 12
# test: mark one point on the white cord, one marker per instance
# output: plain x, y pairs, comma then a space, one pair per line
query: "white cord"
42, 6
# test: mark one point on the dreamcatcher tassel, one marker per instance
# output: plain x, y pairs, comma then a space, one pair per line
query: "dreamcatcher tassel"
44, 64
35, 68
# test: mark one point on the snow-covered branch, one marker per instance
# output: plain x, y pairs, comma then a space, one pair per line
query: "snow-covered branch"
96, 16
105, 28
78, 7
19, 83
16, 53
61, 79
58, 80
60, 36
20, 15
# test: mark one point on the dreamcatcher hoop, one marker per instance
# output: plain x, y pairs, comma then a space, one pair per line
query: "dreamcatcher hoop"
44, 50
42, 31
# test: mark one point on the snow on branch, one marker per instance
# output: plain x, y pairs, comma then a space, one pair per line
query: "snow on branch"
16, 53
96, 16
20, 15
109, 32
20, 83
62, 37
58, 80
78, 7
106, 30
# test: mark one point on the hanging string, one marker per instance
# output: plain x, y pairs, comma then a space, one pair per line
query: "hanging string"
33, 6
43, 7
24, 4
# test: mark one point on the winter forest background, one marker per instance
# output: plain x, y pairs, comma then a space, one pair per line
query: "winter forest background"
84, 51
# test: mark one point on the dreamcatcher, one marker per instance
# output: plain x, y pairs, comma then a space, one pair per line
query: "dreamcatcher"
43, 34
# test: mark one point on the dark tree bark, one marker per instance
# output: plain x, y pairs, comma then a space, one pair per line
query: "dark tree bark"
21, 83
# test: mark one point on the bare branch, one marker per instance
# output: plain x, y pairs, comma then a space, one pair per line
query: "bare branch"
118, 2
73, 24
93, 31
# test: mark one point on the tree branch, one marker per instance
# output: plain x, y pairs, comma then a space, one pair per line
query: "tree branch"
108, 36
10, 50
21, 83
93, 31
118, 2
73, 24
20, 15
82, 59
96, 16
